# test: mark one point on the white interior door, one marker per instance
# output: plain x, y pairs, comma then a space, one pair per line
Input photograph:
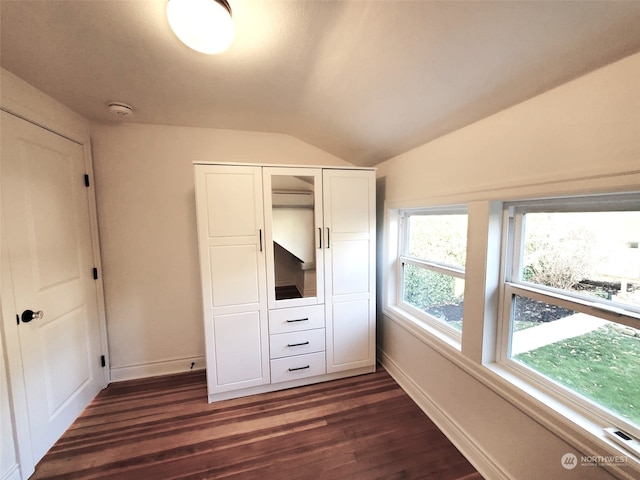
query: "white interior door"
48, 267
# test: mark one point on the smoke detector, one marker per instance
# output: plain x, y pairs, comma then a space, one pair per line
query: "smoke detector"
120, 109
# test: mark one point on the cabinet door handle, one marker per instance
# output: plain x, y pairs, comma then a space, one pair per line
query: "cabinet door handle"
297, 344
260, 234
320, 237
299, 368
328, 238
298, 320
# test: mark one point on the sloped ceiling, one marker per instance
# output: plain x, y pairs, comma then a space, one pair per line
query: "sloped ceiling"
363, 80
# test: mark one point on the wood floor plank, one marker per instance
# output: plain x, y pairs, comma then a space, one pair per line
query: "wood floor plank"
162, 428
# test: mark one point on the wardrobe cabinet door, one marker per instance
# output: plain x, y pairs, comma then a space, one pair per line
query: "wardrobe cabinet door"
239, 350
231, 242
349, 218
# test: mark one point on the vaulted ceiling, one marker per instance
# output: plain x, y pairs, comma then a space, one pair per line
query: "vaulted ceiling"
363, 80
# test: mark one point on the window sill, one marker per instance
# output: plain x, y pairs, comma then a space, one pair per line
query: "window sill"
583, 433
432, 336
580, 431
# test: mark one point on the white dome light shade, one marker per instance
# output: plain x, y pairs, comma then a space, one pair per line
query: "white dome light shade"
203, 25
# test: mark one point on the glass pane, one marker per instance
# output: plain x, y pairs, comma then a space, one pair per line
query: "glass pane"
294, 234
591, 253
441, 296
591, 356
439, 238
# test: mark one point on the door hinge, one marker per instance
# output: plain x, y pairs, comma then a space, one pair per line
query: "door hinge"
103, 361
95, 273
86, 180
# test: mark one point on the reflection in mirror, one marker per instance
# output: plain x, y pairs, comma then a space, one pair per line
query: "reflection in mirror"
294, 252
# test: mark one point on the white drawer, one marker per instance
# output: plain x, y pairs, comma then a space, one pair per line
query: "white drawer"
299, 366
296, 343
295, 319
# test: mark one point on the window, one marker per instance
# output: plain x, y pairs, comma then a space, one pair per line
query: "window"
571, 302
431, 260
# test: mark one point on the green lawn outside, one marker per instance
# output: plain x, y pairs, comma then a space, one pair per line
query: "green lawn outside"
523, 325
603, 365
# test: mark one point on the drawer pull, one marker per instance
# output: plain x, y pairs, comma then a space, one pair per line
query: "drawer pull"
298, 320
297, 344
299, 368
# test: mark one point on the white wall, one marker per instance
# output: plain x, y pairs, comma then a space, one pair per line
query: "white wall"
582, 137
582, 129
146, 207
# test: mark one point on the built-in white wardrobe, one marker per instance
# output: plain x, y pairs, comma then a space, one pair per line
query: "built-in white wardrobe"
287, 259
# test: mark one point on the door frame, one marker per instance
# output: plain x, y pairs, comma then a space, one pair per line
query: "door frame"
25, 102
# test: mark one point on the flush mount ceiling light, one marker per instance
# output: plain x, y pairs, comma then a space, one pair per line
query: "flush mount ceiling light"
203, 25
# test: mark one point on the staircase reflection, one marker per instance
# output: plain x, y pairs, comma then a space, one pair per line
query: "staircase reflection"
294, 277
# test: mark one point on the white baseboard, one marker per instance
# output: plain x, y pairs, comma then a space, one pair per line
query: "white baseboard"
13, 473
154, 369
454, 432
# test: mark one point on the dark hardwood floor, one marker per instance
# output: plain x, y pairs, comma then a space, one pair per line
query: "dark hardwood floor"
162, 428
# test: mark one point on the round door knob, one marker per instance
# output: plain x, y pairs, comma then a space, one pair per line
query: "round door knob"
29, 315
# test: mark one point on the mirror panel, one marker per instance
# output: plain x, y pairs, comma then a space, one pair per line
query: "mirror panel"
294, 236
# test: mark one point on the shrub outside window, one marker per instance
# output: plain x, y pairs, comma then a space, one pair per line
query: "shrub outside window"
571, 302
431, 262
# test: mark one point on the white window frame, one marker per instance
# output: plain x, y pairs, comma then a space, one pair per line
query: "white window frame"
404, 259
510, 285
